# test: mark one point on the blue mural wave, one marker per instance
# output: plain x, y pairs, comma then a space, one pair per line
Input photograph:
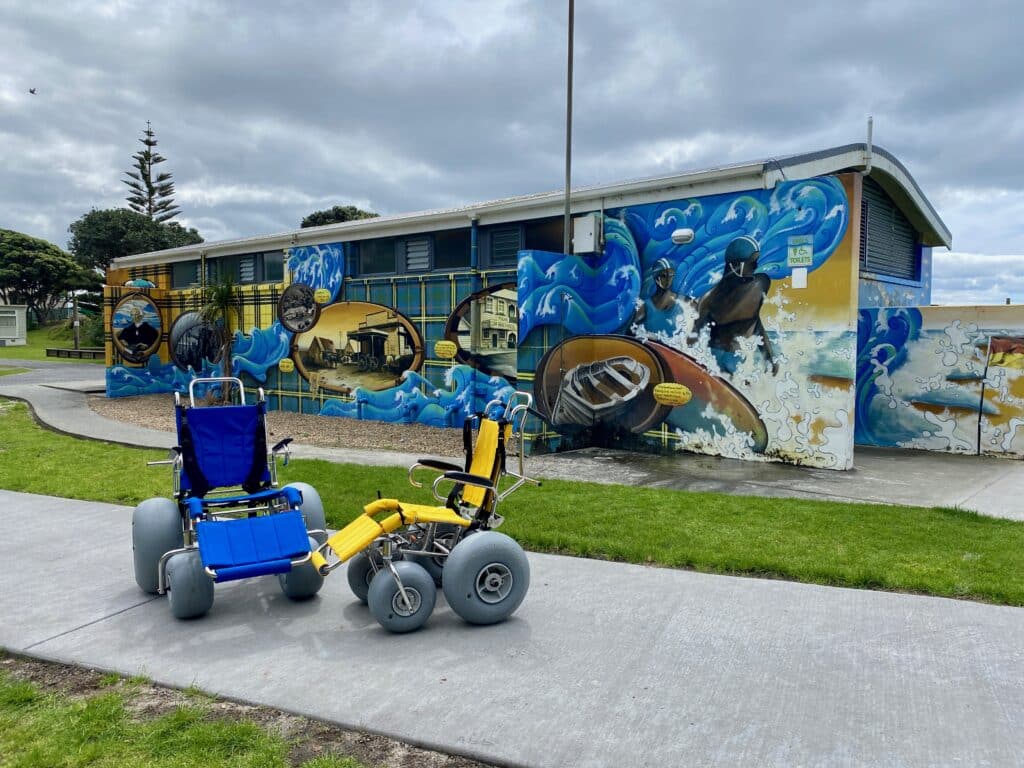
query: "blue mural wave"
418, 401
261, 350
882, 339
254, 354
319, 266
584, 296
603, 293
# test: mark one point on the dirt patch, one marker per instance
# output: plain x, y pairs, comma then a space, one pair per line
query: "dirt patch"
308, 738
157, 412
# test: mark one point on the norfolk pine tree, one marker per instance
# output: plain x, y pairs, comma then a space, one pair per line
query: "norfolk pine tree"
152, 197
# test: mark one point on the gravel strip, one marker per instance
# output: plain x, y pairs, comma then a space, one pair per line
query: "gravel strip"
157, 412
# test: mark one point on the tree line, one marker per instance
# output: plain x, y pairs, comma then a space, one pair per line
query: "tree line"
39, 274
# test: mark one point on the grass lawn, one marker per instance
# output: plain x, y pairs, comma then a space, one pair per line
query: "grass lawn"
933, 551
8, 371
41, 730
38, 340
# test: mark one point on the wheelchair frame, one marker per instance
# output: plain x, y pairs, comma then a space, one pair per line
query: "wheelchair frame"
228, 497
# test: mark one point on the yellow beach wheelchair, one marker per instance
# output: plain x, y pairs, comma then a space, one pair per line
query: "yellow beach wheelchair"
399, 553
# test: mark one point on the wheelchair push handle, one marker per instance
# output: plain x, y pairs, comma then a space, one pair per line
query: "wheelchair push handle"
214, 380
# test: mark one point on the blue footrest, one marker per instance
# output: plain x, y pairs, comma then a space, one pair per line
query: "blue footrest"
252, 546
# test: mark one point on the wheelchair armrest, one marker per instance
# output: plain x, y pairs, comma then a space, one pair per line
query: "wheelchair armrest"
439, 465
465, 478
435, 464
281, 445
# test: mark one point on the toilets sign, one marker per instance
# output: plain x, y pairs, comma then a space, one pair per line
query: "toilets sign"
800, 251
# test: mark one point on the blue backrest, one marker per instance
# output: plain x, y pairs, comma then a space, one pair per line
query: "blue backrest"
224, 439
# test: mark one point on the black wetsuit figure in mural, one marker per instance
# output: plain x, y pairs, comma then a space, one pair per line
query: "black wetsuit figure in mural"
732, 309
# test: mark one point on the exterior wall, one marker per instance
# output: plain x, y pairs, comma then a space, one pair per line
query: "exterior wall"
775, 381
883, 291
942, 379
319, 369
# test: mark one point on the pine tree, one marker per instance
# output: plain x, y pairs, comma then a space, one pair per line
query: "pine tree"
151, 197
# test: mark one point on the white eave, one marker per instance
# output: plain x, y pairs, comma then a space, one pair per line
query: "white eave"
885, 169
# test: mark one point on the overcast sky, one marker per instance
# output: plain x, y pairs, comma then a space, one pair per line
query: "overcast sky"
269, 111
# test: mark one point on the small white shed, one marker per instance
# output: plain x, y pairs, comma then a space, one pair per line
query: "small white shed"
12, 325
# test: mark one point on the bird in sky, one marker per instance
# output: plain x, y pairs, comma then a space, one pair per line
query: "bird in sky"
32, 91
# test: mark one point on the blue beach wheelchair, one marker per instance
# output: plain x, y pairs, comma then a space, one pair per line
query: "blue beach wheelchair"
228, 519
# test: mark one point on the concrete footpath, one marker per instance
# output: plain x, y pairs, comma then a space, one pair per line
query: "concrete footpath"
604, 664
990, 486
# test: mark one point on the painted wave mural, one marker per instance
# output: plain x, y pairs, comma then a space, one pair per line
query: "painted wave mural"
254, 354
319, 266
418, 401
941, 378
599, 296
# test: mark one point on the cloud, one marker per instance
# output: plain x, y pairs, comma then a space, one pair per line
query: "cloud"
267, 111
976, 278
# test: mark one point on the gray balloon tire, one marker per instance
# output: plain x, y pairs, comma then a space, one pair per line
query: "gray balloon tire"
469, 562
156, 530
301, 582
384, 593
191, 589
312, 510
360, 573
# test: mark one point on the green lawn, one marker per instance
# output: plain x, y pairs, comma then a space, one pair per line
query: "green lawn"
934, 551
43, 730
8, 371
38, 340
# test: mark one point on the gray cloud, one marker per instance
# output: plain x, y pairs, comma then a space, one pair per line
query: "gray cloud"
267, 111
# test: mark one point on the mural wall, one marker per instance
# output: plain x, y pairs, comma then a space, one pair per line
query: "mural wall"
880, 291
755, 317
942, 379
358, 348
744, 341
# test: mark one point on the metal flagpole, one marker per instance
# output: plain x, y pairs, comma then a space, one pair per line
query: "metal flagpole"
567, 239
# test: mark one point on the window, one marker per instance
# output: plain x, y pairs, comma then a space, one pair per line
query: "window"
273, 267
376, 256
185, 274
544, 235
888, 241
417, 254
213, 270
505, 245
452, 249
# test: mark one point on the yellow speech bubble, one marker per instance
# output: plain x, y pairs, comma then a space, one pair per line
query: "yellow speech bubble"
445, 350
670, 393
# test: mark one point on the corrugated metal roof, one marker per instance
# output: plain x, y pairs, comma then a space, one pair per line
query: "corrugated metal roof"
885, 168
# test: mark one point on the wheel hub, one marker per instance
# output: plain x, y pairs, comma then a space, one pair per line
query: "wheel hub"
398, 604
493, 583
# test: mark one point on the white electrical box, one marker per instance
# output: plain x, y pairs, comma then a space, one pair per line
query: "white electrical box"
586, 233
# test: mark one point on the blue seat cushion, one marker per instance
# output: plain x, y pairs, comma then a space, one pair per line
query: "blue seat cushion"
252, 546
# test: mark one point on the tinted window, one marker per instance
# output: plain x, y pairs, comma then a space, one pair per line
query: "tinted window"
451, 249
376, 256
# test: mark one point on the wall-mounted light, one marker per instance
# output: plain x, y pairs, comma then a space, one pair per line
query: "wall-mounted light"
682, 236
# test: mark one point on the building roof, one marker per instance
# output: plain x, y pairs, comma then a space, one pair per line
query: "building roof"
884, 168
